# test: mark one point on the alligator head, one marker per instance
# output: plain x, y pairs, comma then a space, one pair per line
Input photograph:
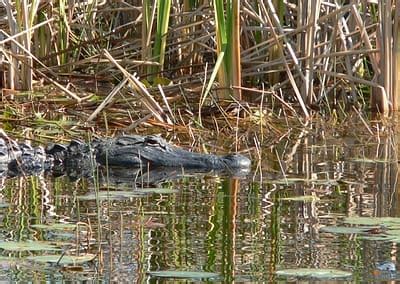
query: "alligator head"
153, 151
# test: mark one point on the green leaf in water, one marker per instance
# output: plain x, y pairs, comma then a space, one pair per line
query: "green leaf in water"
58, 226
156, 190
314, 273
163, 81
28, 246
288, 181
113, 195
183, 274
325, 182
122, 194
373, 221
4, 205
344, 230
62, 259
304, 198
366, 160
394, 233
360, 184
378, 237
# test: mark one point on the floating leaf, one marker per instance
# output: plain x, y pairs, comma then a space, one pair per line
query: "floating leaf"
288, 181
4, 205
394, 233
28, 246
354, 182
325, 182
62, 259
373, 221
122, 194
378, 237
112, 195
183, 274
314, 273
4, 260
156, 190
366, 160
304, 198
57, 226
344, 230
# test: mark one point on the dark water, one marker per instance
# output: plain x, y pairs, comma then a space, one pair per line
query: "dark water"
242, 229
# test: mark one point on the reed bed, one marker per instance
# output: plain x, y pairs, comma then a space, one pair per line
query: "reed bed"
180, 63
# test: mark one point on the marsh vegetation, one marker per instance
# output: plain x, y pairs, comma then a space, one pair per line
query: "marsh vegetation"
291, 84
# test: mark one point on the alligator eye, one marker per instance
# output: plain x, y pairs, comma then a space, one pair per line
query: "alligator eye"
155, 141
152, 141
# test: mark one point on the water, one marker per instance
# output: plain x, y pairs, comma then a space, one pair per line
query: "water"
243, 229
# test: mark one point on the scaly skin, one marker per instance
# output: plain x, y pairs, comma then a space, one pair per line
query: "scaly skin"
124, 151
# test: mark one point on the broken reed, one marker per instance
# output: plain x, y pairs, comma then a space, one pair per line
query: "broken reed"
313, 51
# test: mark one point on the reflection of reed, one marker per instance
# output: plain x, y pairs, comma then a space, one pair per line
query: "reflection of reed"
356, 175
386, 175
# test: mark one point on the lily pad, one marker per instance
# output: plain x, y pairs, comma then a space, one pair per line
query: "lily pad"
62, 259
183, 274
325, 182
27, 246
288, 181
304, 198
112, 195
344, 230
122, 194
156, 190
57, 226
366, 160
374, 221
354, 182
379, 237
314, 273
4, 205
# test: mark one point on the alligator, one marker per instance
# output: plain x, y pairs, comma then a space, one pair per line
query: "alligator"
123, 152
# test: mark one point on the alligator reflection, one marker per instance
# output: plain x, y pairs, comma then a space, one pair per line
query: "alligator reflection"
131, 176
144, 177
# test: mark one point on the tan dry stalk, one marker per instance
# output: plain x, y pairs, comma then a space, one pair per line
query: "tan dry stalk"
236, 60
313, 9
108, 99
44, 76
341, 29
350, 78
380, 97
13, 74
396, 57
365, 37
288, 71
147, 100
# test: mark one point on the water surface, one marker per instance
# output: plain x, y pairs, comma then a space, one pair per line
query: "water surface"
243, 229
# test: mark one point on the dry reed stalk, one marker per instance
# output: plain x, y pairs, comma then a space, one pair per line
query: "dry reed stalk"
313, 8
350, 78
380, 97
396, 57
236, 60
13, 74
346, 45
47, 78
288, 71
147, 100
108, 99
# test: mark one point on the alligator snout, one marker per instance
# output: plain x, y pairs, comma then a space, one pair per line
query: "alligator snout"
236, 161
